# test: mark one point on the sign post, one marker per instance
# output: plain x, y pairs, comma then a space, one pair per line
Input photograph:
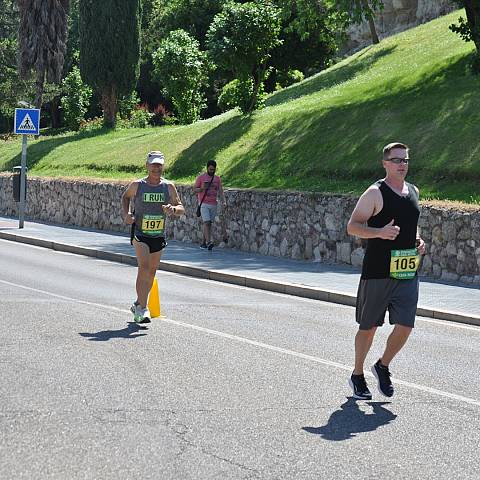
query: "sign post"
27, 122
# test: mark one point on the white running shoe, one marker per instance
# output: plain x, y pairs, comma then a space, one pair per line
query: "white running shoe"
133, 307
143, 315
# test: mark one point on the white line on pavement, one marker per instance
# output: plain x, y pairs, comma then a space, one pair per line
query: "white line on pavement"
445, 323
322, 361
255, 343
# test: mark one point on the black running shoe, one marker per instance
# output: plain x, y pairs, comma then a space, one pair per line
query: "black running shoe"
359, 387
382, 374
210, 246
203, 245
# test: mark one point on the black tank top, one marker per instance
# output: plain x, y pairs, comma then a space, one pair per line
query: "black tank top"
405, 212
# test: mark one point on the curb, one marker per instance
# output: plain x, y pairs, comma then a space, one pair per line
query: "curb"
297, 290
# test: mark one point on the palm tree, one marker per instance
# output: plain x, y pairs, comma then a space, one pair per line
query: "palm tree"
42, 38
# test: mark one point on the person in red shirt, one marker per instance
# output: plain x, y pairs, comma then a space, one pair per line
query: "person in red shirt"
208, 188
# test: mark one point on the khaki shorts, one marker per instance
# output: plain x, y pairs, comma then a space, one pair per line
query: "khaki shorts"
209, 212
376, 296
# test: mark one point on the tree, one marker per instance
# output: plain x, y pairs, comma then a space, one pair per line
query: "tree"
469, 29
182, 69
9, 19
193, 16
240, 40
42, 37
309, 37
357, 11
110, 49
9, 80
76, 98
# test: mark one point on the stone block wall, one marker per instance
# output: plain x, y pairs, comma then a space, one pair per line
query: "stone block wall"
286, 224
396, 16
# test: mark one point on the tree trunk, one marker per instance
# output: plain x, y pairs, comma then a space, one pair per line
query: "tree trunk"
257, 75
39, 81
109, 105
373, 31
472, 9
55, 112
371, 24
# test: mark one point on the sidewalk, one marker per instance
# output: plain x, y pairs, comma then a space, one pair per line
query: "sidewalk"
334, 283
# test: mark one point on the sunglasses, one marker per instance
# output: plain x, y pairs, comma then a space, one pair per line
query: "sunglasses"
397, 161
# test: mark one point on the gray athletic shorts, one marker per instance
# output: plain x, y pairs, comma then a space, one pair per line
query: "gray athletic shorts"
208, 212
376, 296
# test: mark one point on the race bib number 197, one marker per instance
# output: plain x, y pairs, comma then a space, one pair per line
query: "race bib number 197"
404, 263
153, 224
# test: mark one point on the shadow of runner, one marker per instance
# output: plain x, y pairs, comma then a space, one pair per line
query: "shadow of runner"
349, 420
105, 335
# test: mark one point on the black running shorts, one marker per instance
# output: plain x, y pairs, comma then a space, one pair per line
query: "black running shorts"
376, 296
154, 244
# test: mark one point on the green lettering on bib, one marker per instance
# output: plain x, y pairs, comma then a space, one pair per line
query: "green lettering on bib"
404, 263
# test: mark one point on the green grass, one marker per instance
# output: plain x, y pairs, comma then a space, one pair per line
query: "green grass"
325, 134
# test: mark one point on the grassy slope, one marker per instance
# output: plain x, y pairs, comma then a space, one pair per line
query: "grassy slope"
323, 134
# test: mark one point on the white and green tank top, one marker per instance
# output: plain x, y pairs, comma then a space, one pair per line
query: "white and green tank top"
149, 215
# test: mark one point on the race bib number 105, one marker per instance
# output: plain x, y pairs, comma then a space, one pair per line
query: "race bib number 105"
404, 263
153, 224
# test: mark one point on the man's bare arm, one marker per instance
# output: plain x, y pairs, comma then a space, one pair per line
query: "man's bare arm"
368, 205
175, 206
127, 197
221, 193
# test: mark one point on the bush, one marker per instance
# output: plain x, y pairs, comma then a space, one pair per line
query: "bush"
161, 116
139, 118
240, 41
285, 79
128, 104
240, 93
229, 97
91, 124
181, 67
76, 98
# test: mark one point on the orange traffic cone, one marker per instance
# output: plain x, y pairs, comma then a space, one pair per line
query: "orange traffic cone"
154, 301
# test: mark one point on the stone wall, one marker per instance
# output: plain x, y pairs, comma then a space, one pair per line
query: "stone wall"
288, 224
398, 15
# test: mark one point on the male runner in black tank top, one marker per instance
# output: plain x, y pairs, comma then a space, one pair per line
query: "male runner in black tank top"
159, 198
387, 216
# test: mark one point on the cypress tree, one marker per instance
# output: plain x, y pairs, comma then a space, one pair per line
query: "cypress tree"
110, 49
42, 41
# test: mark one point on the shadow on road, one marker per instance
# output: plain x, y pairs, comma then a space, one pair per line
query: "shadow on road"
128, 332
350, 420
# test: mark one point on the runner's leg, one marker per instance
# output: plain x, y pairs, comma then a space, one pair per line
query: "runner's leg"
363, 342
395, 342
145, 277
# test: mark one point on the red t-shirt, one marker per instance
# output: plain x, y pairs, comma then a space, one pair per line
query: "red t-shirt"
211, 196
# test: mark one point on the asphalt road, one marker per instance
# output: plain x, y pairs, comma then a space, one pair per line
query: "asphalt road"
233, 384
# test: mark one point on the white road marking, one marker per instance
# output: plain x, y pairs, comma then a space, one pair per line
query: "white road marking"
63, 297
444, 323
322, 361
255, 343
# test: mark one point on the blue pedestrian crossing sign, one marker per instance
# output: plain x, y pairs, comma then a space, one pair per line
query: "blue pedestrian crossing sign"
27, 121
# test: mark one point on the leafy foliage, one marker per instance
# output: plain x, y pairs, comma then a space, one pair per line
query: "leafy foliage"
110, 49
469, 28
42, 41
76, 98
240, 40
12, 87
182, 68
239, 94
193, 16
